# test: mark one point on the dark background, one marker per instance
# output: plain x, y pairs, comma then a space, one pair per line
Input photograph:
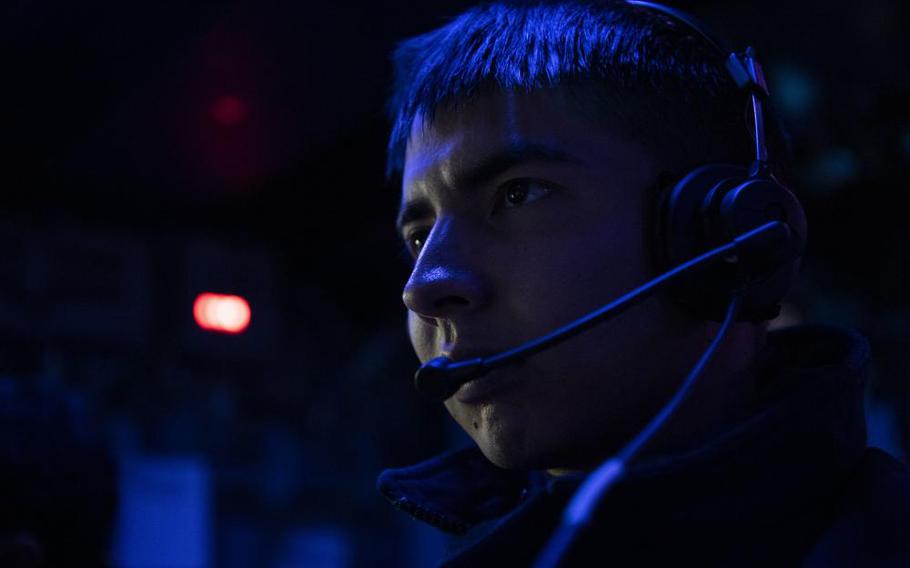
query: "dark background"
154, 151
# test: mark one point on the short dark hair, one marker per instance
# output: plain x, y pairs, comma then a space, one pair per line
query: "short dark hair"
650, 77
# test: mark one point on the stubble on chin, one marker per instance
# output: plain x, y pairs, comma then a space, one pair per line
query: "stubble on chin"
501, 432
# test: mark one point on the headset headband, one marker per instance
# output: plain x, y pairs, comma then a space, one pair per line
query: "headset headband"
744, 69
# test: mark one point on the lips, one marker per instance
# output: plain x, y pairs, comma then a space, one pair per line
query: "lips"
486, 387
491, 385
459, 355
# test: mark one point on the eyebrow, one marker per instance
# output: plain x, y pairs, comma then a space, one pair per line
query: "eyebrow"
488, 168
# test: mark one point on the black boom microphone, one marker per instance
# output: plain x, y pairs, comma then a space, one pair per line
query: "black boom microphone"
439, 378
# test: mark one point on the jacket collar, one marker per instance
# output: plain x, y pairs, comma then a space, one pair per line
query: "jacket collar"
802, 439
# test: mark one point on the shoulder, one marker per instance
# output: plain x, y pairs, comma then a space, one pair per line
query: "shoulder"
871, 525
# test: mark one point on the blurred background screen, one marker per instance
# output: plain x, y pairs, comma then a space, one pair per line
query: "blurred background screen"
201, 331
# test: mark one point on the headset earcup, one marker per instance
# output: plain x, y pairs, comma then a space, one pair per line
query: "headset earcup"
753, 203
710, 206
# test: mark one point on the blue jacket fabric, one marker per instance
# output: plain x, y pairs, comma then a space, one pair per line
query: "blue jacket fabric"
791, 484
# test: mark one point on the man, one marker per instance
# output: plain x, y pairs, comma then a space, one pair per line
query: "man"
533, 144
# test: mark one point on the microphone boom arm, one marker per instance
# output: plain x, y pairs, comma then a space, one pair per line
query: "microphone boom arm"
439, 378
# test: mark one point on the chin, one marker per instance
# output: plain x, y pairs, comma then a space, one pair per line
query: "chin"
501, 456
505, 457
508, 442
521, 441
518, 458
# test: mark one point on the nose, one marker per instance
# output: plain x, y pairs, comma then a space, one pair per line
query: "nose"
446, 280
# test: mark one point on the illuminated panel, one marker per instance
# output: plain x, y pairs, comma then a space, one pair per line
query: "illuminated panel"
222, 313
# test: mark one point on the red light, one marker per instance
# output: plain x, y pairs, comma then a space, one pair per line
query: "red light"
228, 110
222, 313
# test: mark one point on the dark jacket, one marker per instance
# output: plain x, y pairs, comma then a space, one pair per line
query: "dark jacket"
791, 484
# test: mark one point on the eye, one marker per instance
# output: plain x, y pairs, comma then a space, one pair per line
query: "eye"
415, 240
517, 192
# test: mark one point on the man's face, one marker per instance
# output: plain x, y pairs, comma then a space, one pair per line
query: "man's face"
523, 216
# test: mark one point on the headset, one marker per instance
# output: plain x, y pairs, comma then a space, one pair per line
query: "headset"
729, 237
714, 203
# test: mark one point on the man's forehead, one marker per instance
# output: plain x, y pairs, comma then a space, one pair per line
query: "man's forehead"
453, 136
460, 136
464, 148
430, 153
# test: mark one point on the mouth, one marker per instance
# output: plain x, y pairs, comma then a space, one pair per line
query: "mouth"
486, 387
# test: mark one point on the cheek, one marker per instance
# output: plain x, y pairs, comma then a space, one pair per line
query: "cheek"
422, 337
573, 280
